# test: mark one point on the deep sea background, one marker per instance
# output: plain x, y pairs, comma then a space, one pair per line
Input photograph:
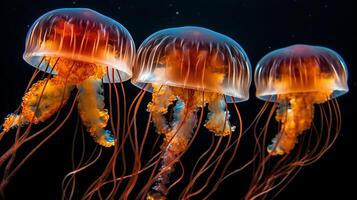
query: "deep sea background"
258, 26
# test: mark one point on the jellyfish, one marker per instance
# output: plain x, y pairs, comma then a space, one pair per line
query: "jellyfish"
185, 69
303, 81
77, 48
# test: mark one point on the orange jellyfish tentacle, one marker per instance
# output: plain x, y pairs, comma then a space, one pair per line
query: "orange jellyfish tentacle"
176, 141
92, 112
295, 113
218, 118
50, 92
179, 131
162, 98
43, 99
87, 77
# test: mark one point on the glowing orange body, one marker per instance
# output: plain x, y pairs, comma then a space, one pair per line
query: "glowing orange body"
82, 49
81, 35
297, 77
187, 68
194, 58
298, 91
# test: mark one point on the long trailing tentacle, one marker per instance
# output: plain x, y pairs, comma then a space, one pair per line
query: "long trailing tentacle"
271, 176
8, 175
218, 123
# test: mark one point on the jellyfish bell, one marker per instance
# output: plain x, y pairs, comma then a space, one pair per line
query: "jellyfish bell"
84, 35
297, 77
194, 58
298, 69
79, 48
186, 68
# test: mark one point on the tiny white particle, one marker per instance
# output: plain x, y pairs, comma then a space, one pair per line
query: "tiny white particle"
177, 12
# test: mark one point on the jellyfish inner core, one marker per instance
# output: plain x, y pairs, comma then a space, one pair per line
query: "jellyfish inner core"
178, 131
47, 96
295, 113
